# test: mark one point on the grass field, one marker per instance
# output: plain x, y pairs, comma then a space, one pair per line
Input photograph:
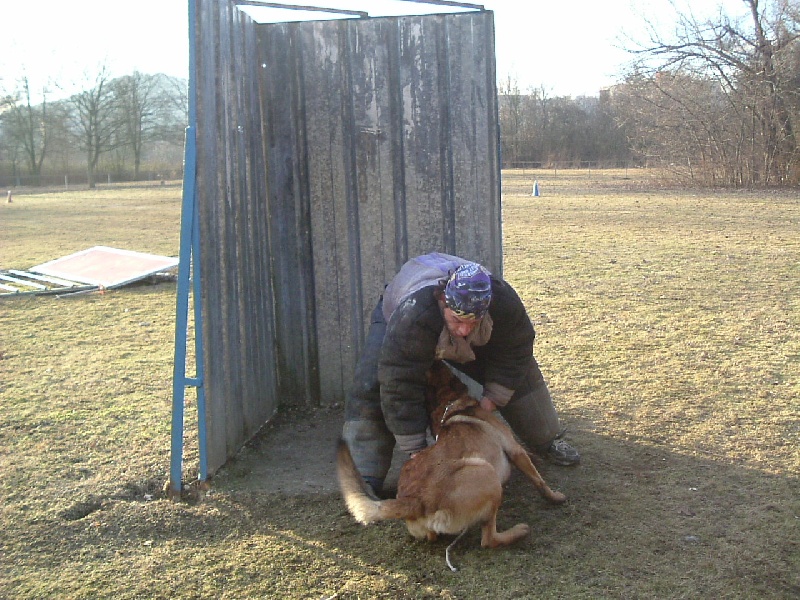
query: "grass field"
668, 327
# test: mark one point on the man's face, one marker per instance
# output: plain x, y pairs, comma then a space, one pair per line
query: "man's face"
458, 326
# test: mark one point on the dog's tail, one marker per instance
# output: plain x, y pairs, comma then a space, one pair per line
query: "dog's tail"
360, 503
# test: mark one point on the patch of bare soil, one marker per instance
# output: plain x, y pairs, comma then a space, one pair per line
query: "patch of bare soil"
294, 454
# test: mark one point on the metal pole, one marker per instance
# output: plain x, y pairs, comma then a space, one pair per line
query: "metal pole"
188, 241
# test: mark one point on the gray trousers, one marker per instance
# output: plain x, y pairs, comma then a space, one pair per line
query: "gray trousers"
530, 412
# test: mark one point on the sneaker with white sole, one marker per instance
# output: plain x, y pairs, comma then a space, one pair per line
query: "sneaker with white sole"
561, 453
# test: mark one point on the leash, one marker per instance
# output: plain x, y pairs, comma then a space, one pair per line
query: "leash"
447, 552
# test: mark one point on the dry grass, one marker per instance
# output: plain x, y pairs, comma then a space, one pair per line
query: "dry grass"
667, 326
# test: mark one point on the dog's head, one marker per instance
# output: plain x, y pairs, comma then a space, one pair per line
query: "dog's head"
444, 390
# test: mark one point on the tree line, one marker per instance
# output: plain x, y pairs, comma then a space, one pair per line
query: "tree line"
718, 102
715, 103
118, 124
538, 130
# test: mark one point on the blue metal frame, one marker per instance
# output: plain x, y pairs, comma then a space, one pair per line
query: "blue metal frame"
188, 272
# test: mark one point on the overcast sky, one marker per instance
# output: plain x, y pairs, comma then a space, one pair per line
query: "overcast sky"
567, 47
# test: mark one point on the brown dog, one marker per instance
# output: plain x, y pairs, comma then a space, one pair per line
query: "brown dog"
458, 481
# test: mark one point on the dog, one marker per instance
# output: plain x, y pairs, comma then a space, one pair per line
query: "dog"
455, 483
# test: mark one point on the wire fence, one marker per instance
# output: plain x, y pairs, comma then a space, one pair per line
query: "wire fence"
571, 165
77, 180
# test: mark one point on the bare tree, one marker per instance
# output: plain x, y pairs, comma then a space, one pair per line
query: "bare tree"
173, 114
135, 95
176, 90
733, 82
511, 119
146, 104
26, 127
96, 121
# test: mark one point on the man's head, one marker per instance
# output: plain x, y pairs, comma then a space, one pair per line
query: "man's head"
468, 292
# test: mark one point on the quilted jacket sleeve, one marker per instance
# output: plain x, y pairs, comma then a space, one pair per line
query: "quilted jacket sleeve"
508, 353
408, 352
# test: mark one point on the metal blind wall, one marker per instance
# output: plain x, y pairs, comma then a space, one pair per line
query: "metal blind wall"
330, 152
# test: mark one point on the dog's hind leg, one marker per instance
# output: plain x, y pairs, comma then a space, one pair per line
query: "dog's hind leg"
517, 454
523, 462
491, 538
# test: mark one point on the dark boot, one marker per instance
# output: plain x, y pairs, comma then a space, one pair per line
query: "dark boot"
371, 445
370, 441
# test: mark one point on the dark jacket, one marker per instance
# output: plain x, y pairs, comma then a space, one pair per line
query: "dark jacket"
410, 344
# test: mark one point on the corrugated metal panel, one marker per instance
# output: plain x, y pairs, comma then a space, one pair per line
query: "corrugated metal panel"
328, 153
239, 340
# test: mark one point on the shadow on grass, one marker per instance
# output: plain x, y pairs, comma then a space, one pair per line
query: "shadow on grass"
641, 522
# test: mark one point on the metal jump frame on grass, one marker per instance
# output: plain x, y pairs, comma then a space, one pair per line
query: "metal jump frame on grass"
189, 266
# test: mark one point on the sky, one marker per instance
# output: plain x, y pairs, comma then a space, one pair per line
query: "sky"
567, 48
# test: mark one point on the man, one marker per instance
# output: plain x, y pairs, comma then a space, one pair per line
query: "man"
444, 307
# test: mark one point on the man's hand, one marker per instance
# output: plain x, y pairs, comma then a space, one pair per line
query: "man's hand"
487, 404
